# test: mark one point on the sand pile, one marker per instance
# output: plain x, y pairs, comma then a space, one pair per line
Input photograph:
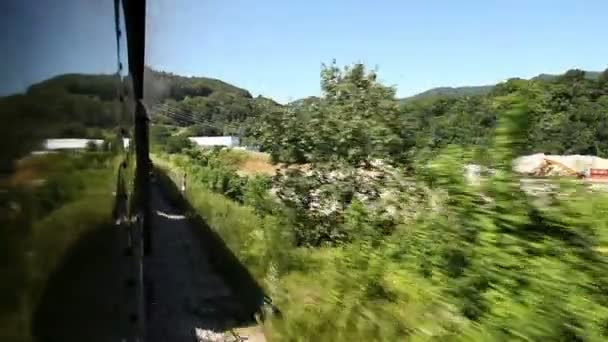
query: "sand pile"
579, 163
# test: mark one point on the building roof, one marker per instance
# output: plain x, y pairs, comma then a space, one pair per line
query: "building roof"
63, 144
215, 141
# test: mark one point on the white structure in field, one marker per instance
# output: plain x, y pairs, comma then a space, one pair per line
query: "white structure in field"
577, 162
70, 144
226, 141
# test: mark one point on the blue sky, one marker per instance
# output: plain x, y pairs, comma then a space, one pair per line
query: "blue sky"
43, 38
275, 48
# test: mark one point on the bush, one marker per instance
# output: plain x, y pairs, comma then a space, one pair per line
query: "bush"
177, 143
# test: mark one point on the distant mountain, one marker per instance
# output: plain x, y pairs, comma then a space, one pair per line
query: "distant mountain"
482, 90
267, 101
206, 106
451, 92
71, 105
304, 101
103, 87
160, 86
590, 75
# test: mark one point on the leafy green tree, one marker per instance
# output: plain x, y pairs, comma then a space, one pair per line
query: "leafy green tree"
356, 119
159, 135
177, 143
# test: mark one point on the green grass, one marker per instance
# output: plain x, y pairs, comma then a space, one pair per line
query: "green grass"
239, 227
48, 223
312, 287
543, 273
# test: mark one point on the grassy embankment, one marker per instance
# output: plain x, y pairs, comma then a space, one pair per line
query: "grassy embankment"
311, 287
54, 203
470, 267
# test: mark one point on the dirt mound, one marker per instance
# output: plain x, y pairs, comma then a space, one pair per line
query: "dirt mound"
579, 163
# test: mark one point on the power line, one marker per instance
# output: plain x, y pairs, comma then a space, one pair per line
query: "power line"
176, 111
182, 117
188, 106
183, 120
172, 110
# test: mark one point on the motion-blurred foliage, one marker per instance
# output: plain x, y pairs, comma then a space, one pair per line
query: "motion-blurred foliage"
423, 254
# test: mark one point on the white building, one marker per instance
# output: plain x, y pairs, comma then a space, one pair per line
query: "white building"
227, 141
70, 144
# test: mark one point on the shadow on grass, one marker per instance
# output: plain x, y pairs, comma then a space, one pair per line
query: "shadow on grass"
247, 291
84, 297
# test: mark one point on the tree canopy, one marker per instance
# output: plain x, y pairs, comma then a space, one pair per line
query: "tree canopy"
568, 115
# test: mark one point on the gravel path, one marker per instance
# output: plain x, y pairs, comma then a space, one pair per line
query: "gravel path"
185, 292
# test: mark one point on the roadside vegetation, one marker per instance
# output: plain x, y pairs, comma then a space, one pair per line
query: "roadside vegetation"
381, 237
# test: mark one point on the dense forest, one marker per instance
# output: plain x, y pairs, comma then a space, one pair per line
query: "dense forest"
567, 115
91, 106
481, 90
205, 106
407, 248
